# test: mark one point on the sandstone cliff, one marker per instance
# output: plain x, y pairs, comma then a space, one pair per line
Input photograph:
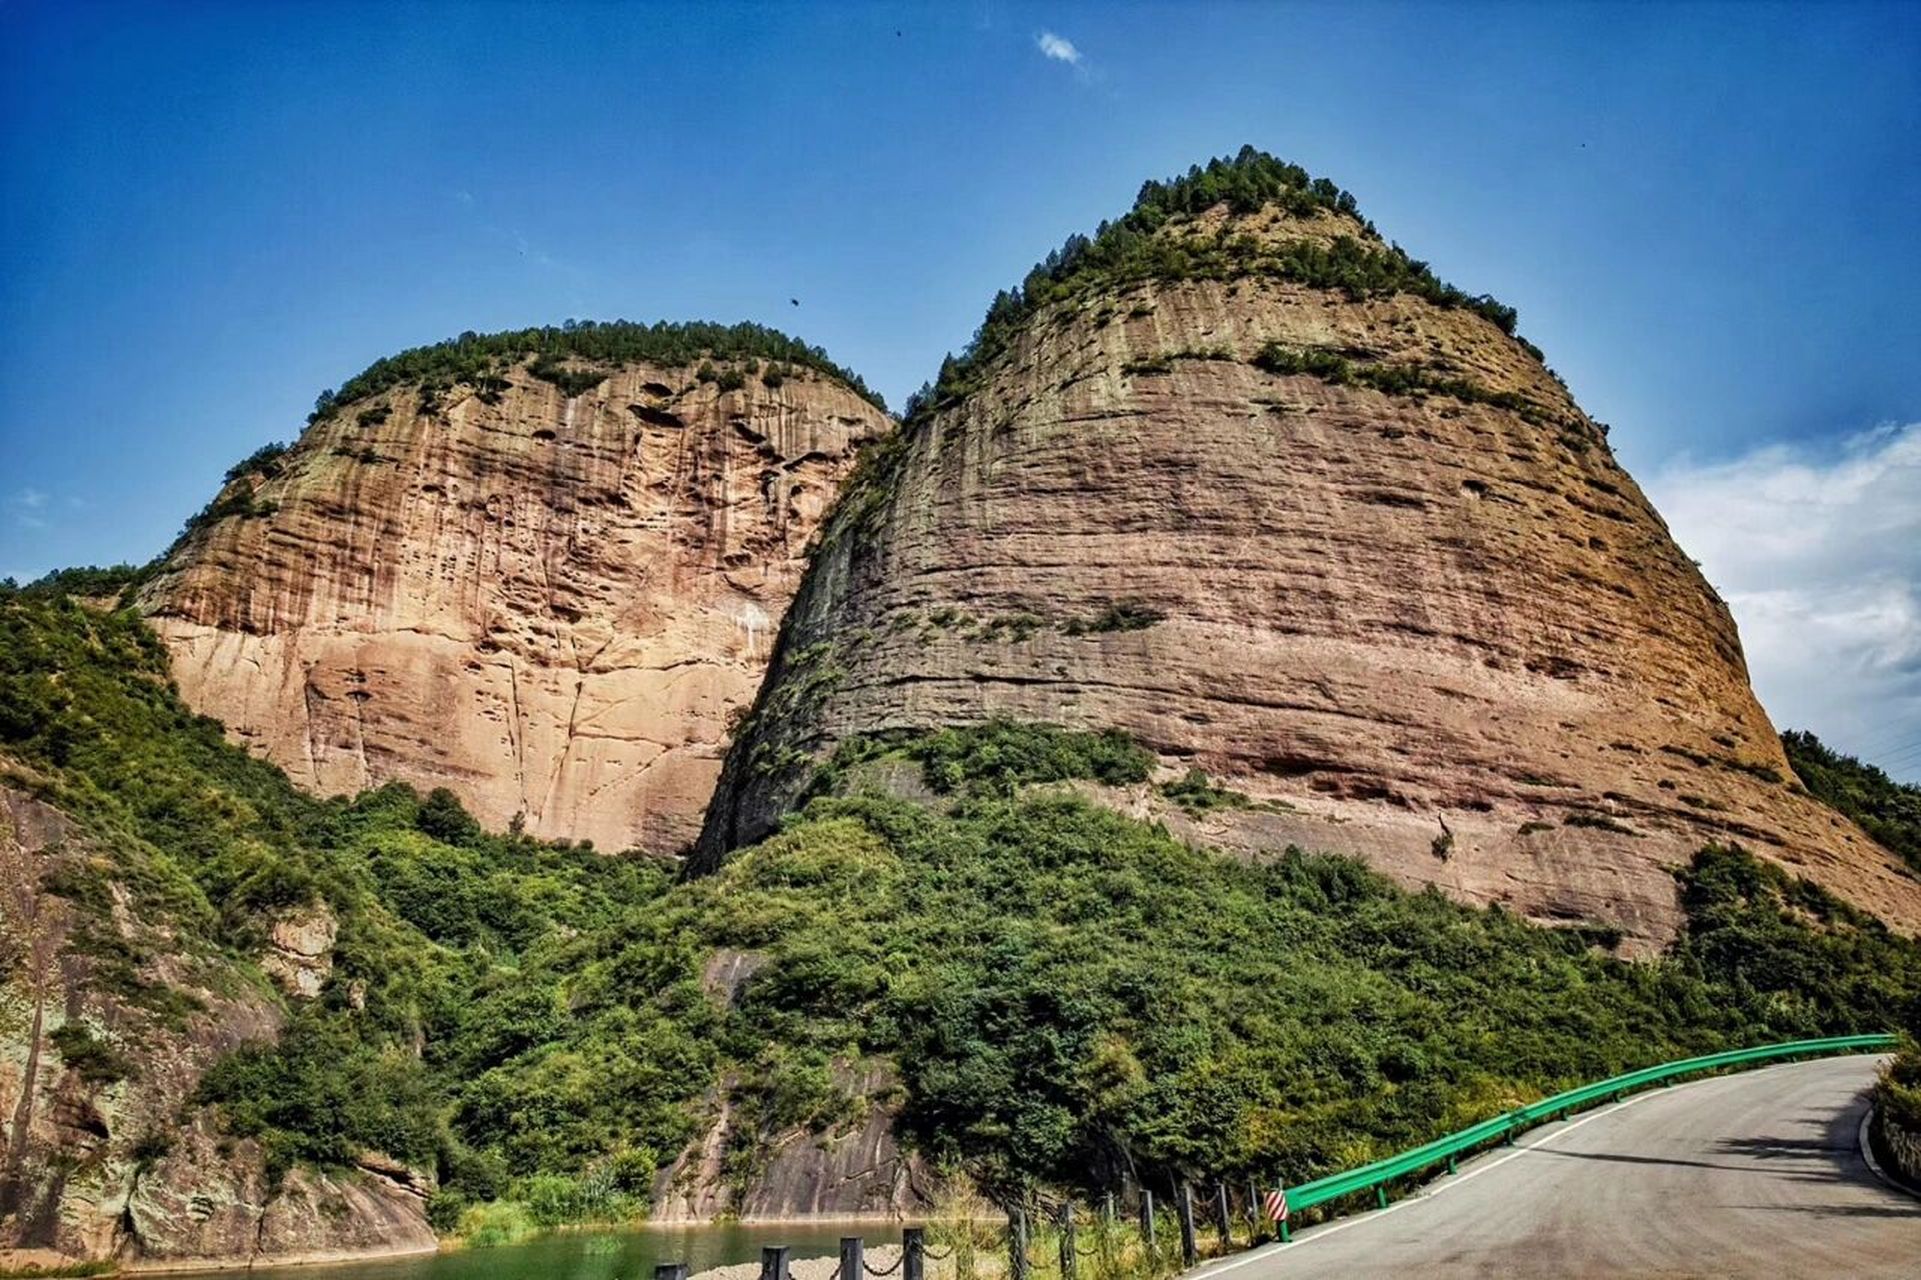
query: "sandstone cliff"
107, 1023
1350, 548
544, 590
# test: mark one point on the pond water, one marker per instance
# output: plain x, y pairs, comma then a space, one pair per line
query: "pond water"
601, 1255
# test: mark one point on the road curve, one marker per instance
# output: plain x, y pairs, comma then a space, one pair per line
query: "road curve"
1754, 1174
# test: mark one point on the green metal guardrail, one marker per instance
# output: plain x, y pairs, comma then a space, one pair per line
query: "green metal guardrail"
1377, 1175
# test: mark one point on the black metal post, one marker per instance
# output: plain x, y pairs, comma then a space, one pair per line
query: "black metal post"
1220, 1209
1147, 1220
1253, 1212
913, 1254
1184, 1206
1067, 1241
853, 1258
671, 1271
1017, 1242
773, 1262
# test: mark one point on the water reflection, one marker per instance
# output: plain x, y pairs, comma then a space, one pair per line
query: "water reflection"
601, 1255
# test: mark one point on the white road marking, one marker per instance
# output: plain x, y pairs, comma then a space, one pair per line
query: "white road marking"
1437, 1188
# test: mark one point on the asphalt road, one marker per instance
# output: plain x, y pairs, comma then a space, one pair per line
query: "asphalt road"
1753, 1174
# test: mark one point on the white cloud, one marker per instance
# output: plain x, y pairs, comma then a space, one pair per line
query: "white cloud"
1818, 553
1058, 48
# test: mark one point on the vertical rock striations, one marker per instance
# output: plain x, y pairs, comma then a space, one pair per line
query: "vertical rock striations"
544, 586
1245, 481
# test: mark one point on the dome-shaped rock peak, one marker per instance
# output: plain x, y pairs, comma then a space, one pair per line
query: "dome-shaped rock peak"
1243, 480
538, 568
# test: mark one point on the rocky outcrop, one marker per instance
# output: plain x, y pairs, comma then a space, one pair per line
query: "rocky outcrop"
299, 953
852, 1169
1355, 553
106, 1025
547, 602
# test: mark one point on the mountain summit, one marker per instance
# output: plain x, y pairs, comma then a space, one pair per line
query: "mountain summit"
1243, 480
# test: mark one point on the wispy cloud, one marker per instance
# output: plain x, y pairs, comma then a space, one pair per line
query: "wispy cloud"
1818, 553
26, 507
1058, 48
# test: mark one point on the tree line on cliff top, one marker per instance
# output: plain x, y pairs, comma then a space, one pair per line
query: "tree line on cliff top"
1065, 993
473, 358
1131, 249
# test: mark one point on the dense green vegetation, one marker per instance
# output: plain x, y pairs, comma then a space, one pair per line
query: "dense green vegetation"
214, 844
1067, 992
1889, 811
1900, 1090
1131, 250
477, 358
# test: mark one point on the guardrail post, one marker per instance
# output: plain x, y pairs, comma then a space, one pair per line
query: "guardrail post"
853, 1258
1451, 1166
671, 1271
1017, 1242
1380, 1194
1253, 1213
1067, 1240
1147, 1221
1221, 1211
773, 1262
913, 1255
1108, 1210
1184, 1206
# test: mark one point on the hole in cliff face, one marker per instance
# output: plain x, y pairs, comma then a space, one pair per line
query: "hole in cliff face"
543, 434
1389, 498
660, 389
1343, 789
656, 417
436, 489
1474, 488
1296, 766
1556, 667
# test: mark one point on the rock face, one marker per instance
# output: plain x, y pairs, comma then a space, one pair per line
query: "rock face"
547, 603
853, 1170
1243, 519
106, 1026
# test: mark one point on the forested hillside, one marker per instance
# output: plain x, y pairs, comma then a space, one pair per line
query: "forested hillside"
1068, 993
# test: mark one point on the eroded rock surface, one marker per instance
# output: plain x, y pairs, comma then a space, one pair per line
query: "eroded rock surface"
106, 1025
1447, 633
853, 1169
547, 603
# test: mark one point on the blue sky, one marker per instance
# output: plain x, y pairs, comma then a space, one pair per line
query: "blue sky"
1706, 216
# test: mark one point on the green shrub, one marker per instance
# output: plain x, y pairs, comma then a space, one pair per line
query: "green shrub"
1889, 811
571, 381
487, 1226
89, 1057
1197, 794
1125, 615
1389, 379
264, 461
